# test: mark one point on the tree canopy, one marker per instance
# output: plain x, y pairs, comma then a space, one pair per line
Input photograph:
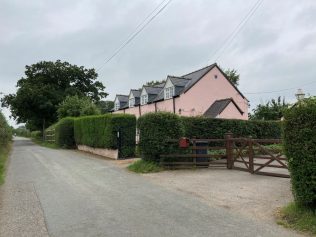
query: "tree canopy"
232, 75
272, 110
45, 85
75, 106
105, 106
154, 83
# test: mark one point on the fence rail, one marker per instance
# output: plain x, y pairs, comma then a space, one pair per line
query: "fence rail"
50, 135
245, 154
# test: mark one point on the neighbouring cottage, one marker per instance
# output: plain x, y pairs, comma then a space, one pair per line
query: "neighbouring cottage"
205, 92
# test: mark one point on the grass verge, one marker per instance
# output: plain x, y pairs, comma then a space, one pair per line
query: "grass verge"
45, 144
4, 153
298, 218
142, 166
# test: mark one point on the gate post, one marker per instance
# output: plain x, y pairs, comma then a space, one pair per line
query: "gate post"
250, 155
229, 150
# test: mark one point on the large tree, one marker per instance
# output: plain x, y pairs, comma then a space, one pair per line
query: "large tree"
45, 85
232, 75
272, 110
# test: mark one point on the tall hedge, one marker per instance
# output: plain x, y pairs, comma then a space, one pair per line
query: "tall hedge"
202, 127
5, 130
299, 135
155, 131
101, 131
64, 133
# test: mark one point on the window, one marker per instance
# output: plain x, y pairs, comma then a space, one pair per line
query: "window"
131, 102
144, 99
117, 105
169, 92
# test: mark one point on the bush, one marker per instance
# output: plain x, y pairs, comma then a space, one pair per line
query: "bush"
101, 132
202, 127
155, 131
64, 133
5, 131
300, 149
37, 135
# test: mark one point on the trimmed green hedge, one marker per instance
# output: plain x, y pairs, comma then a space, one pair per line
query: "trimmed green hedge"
64, 133
155, 131
299, 136
101, 131
202, 127
157, 128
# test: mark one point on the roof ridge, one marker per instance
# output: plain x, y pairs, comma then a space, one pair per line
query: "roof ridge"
211, 65
181, 77
121, 95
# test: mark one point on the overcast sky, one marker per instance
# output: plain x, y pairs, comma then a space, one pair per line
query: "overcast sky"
275, 50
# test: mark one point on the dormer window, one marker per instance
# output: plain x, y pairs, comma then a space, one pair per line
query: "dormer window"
169, 92
144, 99
131, 102
116, 105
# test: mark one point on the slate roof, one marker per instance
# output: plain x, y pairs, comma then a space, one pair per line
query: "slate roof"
219, 106
122, 98
136, 93
182, 85
153, 90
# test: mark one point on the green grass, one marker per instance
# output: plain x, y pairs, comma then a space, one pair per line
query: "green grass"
298, 218
142, 166
45, 144
4, 153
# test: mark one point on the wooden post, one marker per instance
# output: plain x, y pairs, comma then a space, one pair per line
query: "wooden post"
250, 155
229, 150
194, 152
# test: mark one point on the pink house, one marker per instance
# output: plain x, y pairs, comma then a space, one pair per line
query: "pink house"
205, 92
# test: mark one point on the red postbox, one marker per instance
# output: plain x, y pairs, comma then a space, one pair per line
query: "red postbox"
184, 142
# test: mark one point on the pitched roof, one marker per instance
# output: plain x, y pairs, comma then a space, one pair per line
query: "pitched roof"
179, 81
219, 106
122, 98
136, 93
197, 75
154, 90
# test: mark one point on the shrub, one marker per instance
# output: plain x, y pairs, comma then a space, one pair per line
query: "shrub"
155, 131
202, 127
5, 131
37, 135
300, 149
75, 106
64, 133
101, 132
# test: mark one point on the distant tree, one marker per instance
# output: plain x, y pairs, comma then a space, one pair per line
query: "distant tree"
74, 106
272, 110
155, 83
105, 106
232, 75
45, 86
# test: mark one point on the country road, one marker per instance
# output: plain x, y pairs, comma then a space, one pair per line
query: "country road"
67, 193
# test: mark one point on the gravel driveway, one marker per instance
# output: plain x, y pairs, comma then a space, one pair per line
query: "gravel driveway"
67, 193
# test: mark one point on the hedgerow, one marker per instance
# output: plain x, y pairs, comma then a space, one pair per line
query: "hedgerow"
102, 131
5, 131
64, 133
299, 136
156, 129
202, 127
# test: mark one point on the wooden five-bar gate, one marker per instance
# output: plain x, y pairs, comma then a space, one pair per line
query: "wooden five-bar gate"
256, 156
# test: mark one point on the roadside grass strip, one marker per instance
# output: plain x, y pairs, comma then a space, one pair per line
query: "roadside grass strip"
142, 166
46, 144
4, 153
298, 218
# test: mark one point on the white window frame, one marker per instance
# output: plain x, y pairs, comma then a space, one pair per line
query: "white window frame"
144, 99
131, 102
169, 92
